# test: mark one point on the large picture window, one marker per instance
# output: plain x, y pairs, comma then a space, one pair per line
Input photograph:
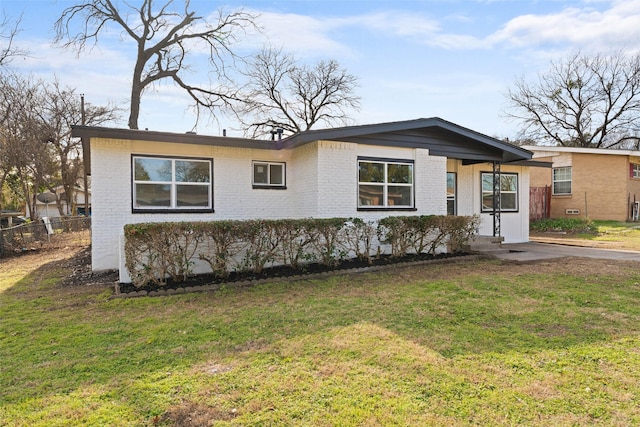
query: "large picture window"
268, 175
562, 181
172, 184
508, 192
385, 184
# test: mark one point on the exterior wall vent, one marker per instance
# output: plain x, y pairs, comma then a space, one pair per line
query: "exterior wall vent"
572, 211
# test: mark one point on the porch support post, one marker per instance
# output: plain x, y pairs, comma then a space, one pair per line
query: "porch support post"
496, 199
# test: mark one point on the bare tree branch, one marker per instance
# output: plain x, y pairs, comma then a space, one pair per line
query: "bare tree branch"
163, 39
8, 33
586, 101
282, 94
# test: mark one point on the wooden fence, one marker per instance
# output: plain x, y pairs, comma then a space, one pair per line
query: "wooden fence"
539, 203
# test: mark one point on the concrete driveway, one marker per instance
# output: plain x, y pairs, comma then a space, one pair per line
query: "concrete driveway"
533, 251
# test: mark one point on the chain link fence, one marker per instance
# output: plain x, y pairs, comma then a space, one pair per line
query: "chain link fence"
57, 233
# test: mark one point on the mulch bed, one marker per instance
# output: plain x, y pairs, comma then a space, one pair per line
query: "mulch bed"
207, 282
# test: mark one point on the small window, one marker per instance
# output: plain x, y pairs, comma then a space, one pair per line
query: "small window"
562, 181
385, 184
451, 193
172, 184
268, 175
635, 170
508, 192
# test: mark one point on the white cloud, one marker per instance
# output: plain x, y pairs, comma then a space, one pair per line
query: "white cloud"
304, 35
585, 28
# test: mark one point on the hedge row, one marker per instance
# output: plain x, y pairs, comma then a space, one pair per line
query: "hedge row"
155, 252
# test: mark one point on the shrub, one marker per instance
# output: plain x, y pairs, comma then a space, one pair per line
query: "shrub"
358, 237
426, 233
156, 252
568, 225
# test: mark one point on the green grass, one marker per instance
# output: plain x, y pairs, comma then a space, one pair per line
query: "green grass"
625, 234
476, 343
617, 234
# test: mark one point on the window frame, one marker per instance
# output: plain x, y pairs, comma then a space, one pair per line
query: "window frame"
454, 197
554, 181
385, 185
173, 208
268, 185
635, 170
516, 192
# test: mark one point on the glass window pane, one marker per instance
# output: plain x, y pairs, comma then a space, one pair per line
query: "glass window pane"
370, 172
562, 174
508, 201
192, 171
260, 173
487, 182
562, 187
451, 184
451, 207
371, 195
275, 172
152, 169
508, 183
192, 195
399, 174
487, 201
153, 195
399, 195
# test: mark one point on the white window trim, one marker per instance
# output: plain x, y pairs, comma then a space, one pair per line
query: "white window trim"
554, 181
173, 183
636, 170
516, 192
385, 185
268, 165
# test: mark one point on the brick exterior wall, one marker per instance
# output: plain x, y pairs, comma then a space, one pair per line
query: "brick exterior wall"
321, 180
601, 186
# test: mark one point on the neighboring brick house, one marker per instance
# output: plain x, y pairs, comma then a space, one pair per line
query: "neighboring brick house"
415, 167
595, 183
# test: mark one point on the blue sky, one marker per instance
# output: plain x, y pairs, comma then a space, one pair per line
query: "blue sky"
453, 59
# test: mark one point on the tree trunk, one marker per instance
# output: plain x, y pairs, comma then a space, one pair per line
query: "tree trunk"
136, 93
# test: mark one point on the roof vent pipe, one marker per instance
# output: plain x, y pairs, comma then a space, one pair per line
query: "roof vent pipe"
224, 132
279, 131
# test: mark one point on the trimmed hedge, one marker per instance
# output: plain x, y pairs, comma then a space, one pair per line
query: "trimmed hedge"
156, 252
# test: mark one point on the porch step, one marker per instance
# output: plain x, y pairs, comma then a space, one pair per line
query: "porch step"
486, 244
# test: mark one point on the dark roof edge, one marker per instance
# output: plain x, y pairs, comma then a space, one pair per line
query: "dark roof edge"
86, 132
349, 131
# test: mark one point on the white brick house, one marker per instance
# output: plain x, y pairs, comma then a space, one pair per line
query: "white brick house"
423, 166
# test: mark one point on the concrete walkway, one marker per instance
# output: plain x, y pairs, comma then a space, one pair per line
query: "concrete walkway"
535, 251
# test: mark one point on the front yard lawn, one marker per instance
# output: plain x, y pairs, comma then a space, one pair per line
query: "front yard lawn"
470, 343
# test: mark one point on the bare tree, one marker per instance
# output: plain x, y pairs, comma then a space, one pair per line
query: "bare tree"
36, 146
163, 37
586, 101
60, 110
23, 154
282, 94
